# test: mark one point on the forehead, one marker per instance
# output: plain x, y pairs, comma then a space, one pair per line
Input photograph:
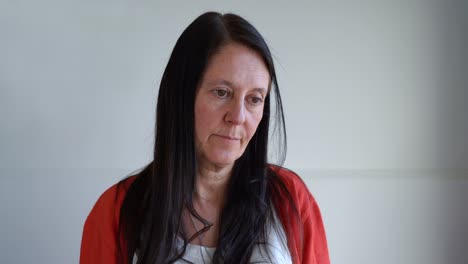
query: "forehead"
238, 65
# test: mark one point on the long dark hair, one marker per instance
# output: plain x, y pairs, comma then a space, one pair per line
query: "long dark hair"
150, 216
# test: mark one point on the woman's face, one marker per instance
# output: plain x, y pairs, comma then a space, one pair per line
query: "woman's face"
229, 104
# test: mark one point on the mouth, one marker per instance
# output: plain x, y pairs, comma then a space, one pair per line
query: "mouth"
228, 137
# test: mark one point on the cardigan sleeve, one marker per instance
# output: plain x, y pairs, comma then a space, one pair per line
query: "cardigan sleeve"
99, 239
315, 243
306, 237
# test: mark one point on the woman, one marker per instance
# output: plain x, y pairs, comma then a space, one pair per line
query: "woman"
209, 195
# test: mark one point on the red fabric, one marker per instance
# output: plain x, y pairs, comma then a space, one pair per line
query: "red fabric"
310, 245
98, 244
99, 240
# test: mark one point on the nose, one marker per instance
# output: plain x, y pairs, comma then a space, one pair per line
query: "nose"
235, 114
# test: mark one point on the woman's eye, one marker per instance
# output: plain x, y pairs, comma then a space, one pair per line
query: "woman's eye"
221, 93
256, 100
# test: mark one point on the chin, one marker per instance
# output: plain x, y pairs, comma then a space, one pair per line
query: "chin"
223, 162
223, 159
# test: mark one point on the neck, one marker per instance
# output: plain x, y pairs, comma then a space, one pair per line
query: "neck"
211, 183
208, 200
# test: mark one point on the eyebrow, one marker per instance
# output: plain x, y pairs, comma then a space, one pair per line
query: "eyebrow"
230, 84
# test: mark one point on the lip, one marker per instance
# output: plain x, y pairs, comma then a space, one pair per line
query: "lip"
227, 137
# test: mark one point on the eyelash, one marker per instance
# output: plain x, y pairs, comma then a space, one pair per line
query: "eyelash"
259, 100
227, 93
216, 92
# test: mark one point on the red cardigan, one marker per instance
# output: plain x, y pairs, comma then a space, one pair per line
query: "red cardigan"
98, 244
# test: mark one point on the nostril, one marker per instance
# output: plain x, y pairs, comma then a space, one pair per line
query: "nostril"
235, 113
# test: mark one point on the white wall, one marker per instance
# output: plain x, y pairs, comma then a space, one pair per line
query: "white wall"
374, 94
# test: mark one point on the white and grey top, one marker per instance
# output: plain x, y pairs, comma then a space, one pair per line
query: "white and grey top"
276, 247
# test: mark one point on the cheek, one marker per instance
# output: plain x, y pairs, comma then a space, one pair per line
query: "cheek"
253, 125
204, 120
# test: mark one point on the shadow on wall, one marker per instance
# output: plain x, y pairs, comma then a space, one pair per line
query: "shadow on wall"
453, 107
453, 128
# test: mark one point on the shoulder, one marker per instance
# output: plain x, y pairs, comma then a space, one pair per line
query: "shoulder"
98, 242
286, 174
298, 191
307, 239
292, 180
106, 210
